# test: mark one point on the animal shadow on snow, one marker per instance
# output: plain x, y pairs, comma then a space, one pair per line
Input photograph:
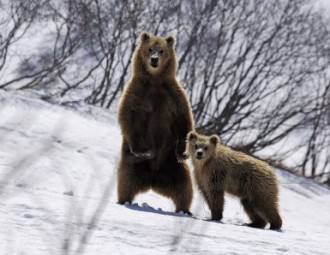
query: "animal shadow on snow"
146, 208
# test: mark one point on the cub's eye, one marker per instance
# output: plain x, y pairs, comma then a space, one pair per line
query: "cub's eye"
205, 148
196, 147
161, 51
150, 50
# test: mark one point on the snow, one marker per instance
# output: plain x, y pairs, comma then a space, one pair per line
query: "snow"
58, 195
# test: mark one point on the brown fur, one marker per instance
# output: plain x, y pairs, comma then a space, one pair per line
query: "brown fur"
155, 118
219, 169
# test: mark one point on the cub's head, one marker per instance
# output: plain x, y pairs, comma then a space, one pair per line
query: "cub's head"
201, 147
157, 52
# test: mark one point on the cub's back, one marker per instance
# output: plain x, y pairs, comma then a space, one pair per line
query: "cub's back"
244, 174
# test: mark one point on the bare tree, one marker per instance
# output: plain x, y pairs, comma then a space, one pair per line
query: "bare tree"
13, 25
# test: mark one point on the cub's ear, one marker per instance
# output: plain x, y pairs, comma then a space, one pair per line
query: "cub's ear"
192, 136
214, 139
170, 40
145, 36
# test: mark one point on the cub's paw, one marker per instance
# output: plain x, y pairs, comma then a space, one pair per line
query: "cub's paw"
216, 218
255, 225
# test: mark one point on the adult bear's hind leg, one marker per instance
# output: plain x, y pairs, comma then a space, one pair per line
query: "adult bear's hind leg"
174, 182
129, 183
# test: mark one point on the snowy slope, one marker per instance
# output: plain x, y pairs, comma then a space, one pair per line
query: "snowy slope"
58, 196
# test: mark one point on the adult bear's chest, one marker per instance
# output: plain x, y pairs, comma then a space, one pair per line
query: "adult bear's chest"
161, 116
161, 103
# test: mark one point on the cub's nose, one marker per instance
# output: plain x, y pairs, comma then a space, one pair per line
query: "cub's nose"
199, 153
154, 61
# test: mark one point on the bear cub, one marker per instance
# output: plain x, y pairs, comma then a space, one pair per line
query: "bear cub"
219, 169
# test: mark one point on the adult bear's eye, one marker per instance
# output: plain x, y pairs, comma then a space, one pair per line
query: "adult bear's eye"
161, 51
150, 50
196, 147
205, 148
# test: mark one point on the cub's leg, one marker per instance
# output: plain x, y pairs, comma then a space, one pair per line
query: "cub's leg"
255, 217
269, 210
274, 219
216, 200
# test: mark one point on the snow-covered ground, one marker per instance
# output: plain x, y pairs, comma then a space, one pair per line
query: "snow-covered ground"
58, 195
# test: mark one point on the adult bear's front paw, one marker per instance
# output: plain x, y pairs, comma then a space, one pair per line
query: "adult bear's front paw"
182, 157
141, 151
145, 154
181, 152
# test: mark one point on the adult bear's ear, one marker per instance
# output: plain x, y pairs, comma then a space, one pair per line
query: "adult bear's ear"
192, 136
214, 139
145, 36
170, 40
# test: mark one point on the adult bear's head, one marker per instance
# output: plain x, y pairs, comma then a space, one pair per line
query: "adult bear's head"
156, 54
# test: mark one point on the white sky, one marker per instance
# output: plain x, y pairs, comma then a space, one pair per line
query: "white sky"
324, 4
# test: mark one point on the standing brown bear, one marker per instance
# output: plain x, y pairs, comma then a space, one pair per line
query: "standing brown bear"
219, 169
155, 118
